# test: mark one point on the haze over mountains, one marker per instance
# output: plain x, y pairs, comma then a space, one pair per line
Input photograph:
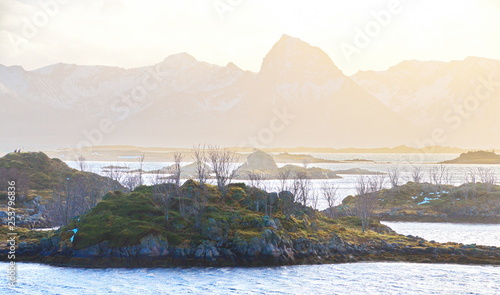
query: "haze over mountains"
298, 98
461, 98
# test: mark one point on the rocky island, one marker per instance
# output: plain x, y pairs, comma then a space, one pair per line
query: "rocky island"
426, 202
475, 157
264, 164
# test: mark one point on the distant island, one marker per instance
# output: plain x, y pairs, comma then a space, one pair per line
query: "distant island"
426, 202
475, 157
284, 155
198, 224
264, 165
300, 158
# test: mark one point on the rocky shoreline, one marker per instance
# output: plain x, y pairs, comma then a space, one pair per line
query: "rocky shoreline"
439, 218
268, 250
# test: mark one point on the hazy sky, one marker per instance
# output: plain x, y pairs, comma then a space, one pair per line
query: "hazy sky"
359, 34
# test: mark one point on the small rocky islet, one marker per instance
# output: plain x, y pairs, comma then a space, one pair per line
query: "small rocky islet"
243, 226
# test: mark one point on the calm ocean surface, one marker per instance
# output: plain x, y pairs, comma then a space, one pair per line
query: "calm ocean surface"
350, 278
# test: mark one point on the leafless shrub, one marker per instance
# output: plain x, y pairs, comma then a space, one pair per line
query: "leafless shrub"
256, 178
81, 162
394, 176
367, 189
176, 168
314, 197
141, 168
487, 177
302, 187
416, 174
283, 180
329, 191
222, 161
200, 158
470, 183
440, 176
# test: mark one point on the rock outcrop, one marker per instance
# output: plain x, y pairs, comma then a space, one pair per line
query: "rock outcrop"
262, 164
259, 160
269, 249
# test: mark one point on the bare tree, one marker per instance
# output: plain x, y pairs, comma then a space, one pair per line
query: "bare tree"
176, 168
131, 179
416, 174
487, 177
363, 202
270, 197
81, 162
256, 178
117, 173
222, 161
141, 166
163, 192
329, 191
440, 176
75, 196
394, 176
283, 179
367, 189
62, 209
470, 182
302, 187
376, 183
202, 170
314, 197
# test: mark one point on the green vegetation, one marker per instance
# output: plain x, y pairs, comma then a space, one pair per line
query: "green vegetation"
25, 235
429, 202
48, 192
120, 218
36, 171
124, 219
242, 226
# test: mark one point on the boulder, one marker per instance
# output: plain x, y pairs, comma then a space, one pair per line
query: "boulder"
260, 161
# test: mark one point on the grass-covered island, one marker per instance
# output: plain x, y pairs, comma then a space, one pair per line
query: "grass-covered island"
473, 202
243, 226
198, 224
476, 157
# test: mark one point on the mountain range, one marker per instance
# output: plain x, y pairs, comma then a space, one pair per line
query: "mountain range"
459, 101
298, 98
